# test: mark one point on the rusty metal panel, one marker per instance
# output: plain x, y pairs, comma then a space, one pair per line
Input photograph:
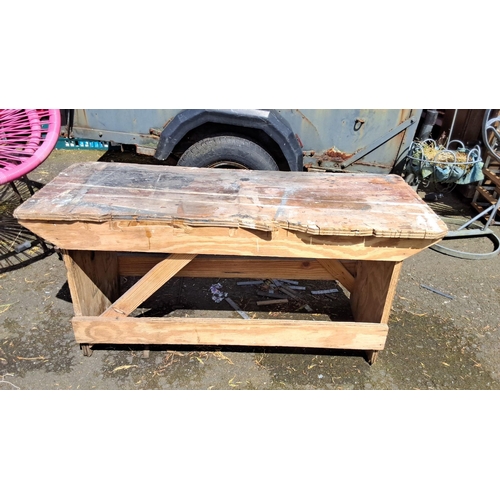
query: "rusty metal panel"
333, 135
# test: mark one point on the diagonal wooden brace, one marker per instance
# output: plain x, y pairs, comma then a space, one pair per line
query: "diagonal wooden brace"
338, 272
147, 285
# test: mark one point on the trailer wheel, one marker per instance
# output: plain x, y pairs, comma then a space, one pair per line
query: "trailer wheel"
227, 152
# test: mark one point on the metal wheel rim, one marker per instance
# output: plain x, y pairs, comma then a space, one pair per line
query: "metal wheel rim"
228, 164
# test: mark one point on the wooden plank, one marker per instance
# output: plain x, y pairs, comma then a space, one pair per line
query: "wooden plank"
318, 204
93, 280
271, 302
228, 267
203, 331
338, 272
147, 285
492, 176
373, 294
150, 237
485, 194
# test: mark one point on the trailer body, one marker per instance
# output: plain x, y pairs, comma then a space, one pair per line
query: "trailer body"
357, 140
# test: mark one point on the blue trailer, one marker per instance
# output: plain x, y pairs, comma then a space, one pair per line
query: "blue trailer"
352, 140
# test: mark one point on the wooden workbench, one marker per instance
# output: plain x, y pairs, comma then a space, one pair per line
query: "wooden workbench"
113, 219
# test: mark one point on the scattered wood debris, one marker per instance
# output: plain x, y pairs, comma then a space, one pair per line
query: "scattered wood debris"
270, 302
123, 367
271, 293
307, 307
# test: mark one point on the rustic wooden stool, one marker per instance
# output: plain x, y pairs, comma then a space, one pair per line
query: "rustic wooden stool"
113, 219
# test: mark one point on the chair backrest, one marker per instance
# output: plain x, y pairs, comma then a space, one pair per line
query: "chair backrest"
27, 137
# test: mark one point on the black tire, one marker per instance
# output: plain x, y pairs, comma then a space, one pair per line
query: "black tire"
227, 152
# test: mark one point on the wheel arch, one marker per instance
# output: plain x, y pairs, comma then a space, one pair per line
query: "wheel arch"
256, 124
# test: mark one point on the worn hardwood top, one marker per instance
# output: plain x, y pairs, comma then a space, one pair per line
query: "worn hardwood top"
313, 203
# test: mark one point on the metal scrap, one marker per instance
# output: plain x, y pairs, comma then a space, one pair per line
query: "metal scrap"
288, 292
290, 282
437, 291
320, 292
236, 307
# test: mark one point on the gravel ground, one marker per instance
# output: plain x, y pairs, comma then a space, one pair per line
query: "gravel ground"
434, 342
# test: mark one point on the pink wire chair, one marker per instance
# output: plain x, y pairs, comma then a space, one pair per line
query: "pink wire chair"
27, 137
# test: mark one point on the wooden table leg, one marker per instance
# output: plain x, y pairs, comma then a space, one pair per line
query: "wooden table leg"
86, 349
371, 356
373, 293
93, 282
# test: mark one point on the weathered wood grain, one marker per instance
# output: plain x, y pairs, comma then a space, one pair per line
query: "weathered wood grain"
230, 267
158, 237
93, 280
312, 203
203, 331
373, 293
147, 285
374, 289
339, 272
